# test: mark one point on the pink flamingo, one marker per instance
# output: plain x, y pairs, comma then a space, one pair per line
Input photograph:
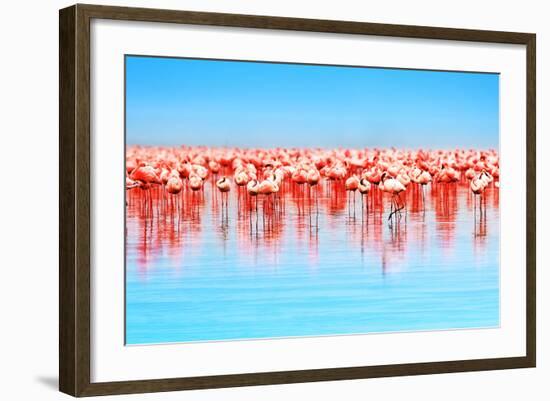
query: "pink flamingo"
351, 185
364, 189
241, 177
374, 175
393, 187
224, 185
174, 185
422, 178
313, 177
447, 175
477, 186
403, 178
131, 183
470, 173
214, 166
267, 187
299, 176
146, 175
195, 182
253, 188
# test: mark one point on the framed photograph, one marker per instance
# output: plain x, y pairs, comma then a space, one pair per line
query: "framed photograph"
250, 200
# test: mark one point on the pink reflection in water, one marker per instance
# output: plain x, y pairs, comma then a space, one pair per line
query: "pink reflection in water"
161, 225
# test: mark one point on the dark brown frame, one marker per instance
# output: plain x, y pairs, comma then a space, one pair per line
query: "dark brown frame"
74, 199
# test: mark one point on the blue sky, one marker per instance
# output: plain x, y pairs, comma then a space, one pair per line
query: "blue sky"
172, 101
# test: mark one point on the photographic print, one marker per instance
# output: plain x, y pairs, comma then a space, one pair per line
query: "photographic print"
275, 200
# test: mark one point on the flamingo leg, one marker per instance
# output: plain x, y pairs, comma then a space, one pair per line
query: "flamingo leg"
309, 204
423, 199
263, 213
316, 208
475, 211
256, 214
317, 201
353, 204
227, 207
481, 204
391, 213
403, 204
362, 208
249, 216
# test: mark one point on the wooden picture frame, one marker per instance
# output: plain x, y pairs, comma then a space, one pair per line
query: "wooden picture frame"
74, 199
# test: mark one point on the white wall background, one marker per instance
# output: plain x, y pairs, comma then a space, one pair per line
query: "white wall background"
28, 198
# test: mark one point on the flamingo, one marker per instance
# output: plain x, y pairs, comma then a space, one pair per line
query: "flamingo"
164, 175
267, 187
394, 170
146, 175
447, 175
470, 173
174, 185
422, 178
224, 185
214, 166
253, 188
403, 178
393, 187
373, 175
363, 186
201, 171
477, 186
351, 185
185, 170
299, 176
364, 189
241, 177
131, 183
313, 177
195, 182
486, 177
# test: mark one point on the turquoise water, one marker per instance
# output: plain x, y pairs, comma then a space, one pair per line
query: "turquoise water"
200, 271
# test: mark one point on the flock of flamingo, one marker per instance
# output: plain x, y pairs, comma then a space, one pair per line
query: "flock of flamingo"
162, 175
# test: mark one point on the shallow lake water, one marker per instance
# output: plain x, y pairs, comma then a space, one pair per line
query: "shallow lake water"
204, 267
